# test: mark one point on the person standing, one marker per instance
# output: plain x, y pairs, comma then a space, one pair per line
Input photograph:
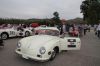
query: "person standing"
63, 26
71, 31
85, 28
80, 28
98, 30
95, 29
89, 28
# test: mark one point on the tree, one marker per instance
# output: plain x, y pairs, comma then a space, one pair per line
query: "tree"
56, 18
91, 11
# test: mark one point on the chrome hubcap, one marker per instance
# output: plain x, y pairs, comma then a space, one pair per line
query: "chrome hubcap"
4, 36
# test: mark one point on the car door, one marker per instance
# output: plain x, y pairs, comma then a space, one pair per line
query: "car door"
70, 43
12, 33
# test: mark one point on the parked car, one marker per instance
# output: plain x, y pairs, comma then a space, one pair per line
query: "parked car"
13, 32
46, 44
39, 27
25, 32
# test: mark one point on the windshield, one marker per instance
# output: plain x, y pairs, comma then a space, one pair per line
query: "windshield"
48, 32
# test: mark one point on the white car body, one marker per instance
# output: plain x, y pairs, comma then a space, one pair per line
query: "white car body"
26, 30
12, 32
40, 27
30, 47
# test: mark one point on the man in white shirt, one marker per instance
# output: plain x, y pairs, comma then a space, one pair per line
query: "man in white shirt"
98, 29
64, 28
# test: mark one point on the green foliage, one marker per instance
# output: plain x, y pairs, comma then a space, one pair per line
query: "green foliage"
56, 18
91, 11
12, 21
48, 22
26, 21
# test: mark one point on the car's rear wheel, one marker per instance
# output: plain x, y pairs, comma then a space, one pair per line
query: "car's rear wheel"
4, 36
27, 33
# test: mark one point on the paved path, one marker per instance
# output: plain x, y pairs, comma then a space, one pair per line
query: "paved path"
89, 55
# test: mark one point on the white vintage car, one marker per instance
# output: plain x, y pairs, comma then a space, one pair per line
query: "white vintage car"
40, 27
25, 32
46, 45
13, 32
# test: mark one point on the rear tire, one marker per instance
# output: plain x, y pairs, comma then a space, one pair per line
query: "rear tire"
4, 36
27, 33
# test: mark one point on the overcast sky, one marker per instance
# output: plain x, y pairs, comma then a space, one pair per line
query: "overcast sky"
24, 9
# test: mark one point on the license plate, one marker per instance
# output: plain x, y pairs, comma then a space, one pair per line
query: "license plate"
71, 45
